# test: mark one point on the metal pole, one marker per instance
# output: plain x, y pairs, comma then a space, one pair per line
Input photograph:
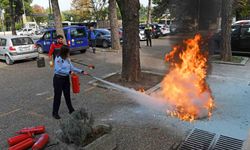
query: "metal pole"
2, 19
49, 6
24, 12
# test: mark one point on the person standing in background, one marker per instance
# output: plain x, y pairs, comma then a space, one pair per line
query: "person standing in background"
92, 38
148, 34
55, 49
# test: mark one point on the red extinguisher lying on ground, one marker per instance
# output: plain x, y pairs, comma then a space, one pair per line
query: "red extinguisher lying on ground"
75, 83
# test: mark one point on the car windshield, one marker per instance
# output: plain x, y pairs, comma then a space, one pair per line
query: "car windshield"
21, 41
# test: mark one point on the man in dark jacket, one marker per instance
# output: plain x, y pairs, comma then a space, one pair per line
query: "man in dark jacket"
148, 34
92, 38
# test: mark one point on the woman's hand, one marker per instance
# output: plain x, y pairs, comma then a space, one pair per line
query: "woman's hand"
84, 73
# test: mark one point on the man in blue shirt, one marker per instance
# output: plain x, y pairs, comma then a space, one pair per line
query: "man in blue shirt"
92, 38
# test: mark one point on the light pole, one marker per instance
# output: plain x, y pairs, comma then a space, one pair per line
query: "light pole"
24, 13
2, 19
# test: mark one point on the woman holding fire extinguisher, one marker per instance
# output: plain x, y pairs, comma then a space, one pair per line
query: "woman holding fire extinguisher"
62, 70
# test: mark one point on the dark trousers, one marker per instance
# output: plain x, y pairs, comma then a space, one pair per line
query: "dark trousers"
92, 43
61, 84
149, 41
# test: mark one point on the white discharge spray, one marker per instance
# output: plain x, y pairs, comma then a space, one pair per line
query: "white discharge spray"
153, 103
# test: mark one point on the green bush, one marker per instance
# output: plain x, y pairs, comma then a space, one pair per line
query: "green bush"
18, 25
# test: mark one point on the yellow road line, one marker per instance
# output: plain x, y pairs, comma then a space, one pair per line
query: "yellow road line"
10, 112
36, 114
49, 98
89, 89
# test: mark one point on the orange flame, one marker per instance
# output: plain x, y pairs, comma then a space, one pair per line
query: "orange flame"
185, 87
141, 90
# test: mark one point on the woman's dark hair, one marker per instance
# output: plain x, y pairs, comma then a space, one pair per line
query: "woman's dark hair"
59, 36
64, 51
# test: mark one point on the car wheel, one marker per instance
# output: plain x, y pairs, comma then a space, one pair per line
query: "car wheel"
39, 49
105, 44
35, 58
8, 60
83, 50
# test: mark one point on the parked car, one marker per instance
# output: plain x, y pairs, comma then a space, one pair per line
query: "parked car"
240, 39
103, 37
26, 31
15, 48
142, 35
242, 22
156, 31
173, 28
76, 38
165, 30
119, 32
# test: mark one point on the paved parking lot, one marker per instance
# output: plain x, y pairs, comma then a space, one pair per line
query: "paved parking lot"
27, 96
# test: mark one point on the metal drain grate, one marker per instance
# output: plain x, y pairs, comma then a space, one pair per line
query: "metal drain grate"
228, 143
198, 140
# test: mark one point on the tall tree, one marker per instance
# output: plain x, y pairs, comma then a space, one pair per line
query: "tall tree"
98, 6
160, 7
17, 8
226, 15
115, 40
12, 14
39, 13
149, 11
57, 19
131, 68
82, 9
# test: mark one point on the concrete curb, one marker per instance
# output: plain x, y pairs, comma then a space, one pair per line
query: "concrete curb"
148, 92
105, 142
242, 63
246, 145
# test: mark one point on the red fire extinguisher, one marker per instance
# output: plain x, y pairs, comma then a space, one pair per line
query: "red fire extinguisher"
19, 138
33, 130
23, 145
41, 142
75, 83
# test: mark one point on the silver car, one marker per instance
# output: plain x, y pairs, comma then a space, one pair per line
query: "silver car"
13, 48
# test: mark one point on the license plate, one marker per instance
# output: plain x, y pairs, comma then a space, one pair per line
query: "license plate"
79, 42
24, 49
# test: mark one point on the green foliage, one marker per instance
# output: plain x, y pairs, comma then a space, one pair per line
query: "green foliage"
39, 14
143, 14
18, 25
160, 7
18, 9
242, 7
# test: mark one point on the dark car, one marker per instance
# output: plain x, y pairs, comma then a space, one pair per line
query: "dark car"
103, 37
240, 39
156, 30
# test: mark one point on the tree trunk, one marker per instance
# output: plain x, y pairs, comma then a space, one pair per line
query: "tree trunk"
12, 14
58, 19
131, 69
149, 11
226, 15
115, 39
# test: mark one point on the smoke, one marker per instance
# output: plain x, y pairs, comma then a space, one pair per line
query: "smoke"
153, 103
195, 15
